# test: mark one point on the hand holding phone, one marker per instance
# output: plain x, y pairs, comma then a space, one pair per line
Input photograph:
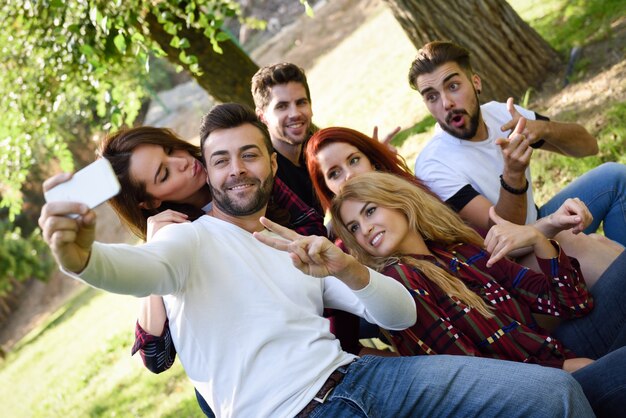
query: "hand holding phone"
93, 185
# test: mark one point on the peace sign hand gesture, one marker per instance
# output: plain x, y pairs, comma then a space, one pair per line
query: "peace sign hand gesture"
315, 255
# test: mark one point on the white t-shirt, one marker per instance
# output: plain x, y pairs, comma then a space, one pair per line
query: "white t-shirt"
247, 325
447, 164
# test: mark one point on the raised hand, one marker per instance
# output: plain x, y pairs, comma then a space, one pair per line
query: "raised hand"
166, 217
70, 239
530, 130
315, 255
506, 236
516, 152
386, 140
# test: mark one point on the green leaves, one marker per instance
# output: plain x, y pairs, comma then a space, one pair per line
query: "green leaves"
307, 8
120, 43
84, 63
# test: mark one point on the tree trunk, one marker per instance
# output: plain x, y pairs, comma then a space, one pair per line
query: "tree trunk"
506, 52
226, 77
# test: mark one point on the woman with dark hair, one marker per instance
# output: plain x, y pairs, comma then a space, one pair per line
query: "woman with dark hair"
180, 186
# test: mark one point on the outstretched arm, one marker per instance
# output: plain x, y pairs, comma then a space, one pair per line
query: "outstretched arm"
565, 138
379, 299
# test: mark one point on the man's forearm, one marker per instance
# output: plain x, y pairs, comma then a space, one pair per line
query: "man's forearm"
569, 139
512, 207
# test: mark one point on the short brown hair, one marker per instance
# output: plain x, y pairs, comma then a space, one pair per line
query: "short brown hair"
232, 115
434, 54
272, 75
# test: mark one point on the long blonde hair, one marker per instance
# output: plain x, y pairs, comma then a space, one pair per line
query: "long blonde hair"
430, 218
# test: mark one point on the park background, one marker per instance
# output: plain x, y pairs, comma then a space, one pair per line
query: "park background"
66, 348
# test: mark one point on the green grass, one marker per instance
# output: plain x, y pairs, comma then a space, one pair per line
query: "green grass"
567, 23
552, 172
78, 364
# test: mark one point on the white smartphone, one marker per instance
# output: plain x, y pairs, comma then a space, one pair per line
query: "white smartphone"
93, 185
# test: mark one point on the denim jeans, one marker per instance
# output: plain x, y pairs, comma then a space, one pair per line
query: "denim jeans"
604, 329
603, 190
452, 386
601, 335
604, 384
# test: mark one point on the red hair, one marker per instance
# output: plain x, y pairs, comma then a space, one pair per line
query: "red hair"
380, 156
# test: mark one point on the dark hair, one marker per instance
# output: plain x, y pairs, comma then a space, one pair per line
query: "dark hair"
434, 54
232, 115
118, 149
380, 156
272, 75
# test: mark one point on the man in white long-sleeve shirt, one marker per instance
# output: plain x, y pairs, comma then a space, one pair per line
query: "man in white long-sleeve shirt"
248, 325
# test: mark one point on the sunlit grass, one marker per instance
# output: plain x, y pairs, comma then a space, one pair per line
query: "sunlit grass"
363, 81
552, 172
78, 364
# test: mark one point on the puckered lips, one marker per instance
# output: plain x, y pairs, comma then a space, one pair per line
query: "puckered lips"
456, 118
197, 168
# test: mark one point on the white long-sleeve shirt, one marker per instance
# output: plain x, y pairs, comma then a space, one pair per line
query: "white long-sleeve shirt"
247, 325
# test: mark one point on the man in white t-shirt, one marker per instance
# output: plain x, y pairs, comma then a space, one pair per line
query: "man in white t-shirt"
248, 325
472, 165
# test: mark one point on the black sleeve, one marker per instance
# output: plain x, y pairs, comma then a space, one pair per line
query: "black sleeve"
462, 198
539, 143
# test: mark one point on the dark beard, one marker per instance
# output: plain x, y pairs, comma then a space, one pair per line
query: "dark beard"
243, 208
467, 132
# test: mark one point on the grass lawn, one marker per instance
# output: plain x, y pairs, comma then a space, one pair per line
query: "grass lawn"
78, 364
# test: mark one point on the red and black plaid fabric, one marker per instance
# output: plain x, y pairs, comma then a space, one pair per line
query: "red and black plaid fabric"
447, 326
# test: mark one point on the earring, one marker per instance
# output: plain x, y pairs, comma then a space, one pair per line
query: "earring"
478, 91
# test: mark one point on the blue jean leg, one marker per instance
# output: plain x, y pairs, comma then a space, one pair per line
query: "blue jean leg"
604, 384
603, 190
604, 329
453, 386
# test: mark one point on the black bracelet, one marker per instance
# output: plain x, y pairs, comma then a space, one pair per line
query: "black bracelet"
511, 189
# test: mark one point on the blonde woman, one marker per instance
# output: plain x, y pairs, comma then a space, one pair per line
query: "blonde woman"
471, 299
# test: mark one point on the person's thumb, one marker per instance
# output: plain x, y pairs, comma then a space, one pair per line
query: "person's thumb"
495, 217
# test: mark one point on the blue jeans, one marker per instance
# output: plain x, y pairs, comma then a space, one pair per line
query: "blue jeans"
603, 190
604, 329
452, 386
604, 384
601, 335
